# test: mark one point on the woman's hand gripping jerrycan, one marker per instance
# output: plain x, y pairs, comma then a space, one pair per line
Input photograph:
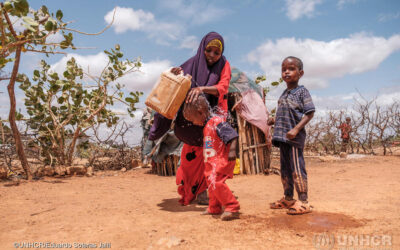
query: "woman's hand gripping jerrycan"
169, 93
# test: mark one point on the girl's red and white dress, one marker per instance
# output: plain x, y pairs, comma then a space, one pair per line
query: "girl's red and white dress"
217, 137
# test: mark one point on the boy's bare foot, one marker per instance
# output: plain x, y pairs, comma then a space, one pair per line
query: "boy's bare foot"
229, 216
282, 204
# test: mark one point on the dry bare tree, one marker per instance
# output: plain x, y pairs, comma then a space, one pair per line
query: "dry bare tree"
112, 151
373, 124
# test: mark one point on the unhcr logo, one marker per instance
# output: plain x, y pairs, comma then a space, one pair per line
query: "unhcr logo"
352, 242
324, 241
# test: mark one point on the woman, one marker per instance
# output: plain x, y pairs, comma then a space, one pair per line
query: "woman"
211, 74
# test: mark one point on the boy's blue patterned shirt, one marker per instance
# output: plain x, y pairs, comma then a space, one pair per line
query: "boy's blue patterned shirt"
292, 105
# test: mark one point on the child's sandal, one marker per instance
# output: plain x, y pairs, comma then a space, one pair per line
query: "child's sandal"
206, 212
227, 216
299, 208
282, 204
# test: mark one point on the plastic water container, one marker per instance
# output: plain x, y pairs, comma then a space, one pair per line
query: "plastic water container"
236, 170
169, 93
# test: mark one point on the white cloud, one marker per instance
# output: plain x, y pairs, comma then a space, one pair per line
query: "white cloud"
388, 98
55, 38
190, 42
325, 60
167, 32
142, 80
4, 106
196, 12
92, 64
388, 17
30, 62
132, 137
299, 8
128, 19
326, 104
5, 102
335, 102
147, 77
17, 24
323, 104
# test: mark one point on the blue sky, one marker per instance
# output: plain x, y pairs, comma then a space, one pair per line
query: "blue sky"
346, 45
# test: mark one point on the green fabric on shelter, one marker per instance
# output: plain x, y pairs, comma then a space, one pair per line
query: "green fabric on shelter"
241, 83
168, 144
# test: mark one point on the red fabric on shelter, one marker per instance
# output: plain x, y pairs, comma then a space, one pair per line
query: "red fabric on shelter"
253, 110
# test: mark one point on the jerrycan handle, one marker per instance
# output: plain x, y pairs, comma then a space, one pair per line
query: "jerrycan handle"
187, 75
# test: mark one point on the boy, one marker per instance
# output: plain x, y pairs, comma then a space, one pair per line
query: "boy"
219, 150
295, 110
345, 128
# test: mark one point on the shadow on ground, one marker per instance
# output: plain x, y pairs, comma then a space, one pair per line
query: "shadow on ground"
173, 205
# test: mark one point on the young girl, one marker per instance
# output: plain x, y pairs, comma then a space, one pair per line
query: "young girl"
211, 74
219, 151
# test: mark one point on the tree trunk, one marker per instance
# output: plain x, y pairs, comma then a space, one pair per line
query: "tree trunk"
11, 117
70, 154
3, 139
384, 147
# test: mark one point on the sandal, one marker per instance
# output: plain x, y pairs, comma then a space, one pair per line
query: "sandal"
282, 204
227, 216
208, 213
299, 208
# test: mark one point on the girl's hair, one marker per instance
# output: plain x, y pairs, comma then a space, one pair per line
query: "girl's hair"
196, 107
298, 61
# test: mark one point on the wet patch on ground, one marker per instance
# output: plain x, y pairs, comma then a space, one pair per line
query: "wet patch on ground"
312, 222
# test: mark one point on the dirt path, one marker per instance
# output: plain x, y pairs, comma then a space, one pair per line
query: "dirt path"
135, 210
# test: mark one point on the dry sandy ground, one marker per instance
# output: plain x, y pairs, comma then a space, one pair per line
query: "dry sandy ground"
135, 210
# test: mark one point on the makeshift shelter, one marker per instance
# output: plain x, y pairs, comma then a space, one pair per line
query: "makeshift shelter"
247, 99
248, 115
166, 154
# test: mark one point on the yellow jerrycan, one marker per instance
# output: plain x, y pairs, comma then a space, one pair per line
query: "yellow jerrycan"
168, 93
236, 170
